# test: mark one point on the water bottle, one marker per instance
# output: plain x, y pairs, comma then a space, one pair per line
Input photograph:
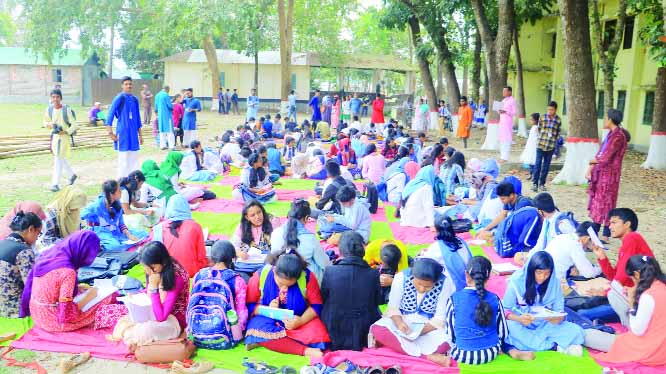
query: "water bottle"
236, 331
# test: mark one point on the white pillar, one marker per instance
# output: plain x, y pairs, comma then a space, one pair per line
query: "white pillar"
577, 161
522, 127
656, 157
492, 137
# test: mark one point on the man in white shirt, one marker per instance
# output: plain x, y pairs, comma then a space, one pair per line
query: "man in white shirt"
554, 222
568, 250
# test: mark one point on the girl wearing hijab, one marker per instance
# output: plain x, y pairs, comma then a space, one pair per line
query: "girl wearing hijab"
449, 251
51, 286
21, 206
104, 216
170, 168
16, 260
396, 177
418, 207
452, 173
182, 236
157, 189
529, 290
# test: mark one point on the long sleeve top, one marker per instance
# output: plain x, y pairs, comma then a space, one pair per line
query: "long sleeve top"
357, 218
567, 252
374, 166
163, 308
632, 244
309, 247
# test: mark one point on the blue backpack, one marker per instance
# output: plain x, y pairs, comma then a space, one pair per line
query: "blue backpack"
562, 216
211, 302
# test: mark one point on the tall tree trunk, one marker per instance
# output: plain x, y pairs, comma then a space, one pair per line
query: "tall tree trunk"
656, 158
498, 47
256, 71
486, 85
465, 80
286, 17
452, 88
522, 128
424, 66
608, 53
440, 83
475, 84
583, 141
211, 58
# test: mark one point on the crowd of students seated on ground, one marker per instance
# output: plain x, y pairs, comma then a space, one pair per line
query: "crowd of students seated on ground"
438, 305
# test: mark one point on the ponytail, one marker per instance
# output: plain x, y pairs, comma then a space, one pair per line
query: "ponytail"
300, 209
109, 188
649, 271
478, 269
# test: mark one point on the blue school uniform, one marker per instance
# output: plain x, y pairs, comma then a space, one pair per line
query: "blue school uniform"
125, 107
454, 262
275, 161
190, 118
164, 108
108, 229
252, 107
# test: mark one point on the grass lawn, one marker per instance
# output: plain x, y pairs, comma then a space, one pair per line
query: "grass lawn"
26, 119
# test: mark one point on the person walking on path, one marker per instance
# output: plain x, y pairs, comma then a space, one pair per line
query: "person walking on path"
507, 113
146, 103
57, 118
252, 105
164, 108
127, 138
549, 131
291, 99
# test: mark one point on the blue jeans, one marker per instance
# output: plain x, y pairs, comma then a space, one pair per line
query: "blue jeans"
604, 313
541, 167
228, 107
292, 114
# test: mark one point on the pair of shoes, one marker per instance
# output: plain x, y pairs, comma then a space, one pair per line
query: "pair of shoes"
67, 364
575, 350
73, 179
535, 188
55, 189
543, 188
196, 368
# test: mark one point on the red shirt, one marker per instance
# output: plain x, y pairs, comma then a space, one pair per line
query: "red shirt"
632, 244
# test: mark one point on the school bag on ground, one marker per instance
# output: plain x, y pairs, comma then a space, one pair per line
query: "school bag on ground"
565, 216
212, 322
371, 195
506, 242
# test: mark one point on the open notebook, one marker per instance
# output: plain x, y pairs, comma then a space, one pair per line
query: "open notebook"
104, 289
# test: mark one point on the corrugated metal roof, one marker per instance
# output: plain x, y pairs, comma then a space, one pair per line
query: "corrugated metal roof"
24, 56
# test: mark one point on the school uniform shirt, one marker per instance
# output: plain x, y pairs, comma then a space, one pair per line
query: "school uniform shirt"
632, 244
125, 107
355, 217
267, 128
309, 248
190, 118
374, 166
551, 228
567, 251
521, 202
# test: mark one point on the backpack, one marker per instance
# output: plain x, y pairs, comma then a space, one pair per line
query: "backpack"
65, 115
562, 216
503, 245
211, 303
372, 196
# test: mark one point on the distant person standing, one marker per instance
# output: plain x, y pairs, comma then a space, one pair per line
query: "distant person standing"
234, 102
507, 113
549, 132
291, 99
315, 107
355, 106
378, 111
252, 105
127, 138
227, 102
465, 116
146, 103
57, 118
364, 106
192, 106
164, 108
220, 101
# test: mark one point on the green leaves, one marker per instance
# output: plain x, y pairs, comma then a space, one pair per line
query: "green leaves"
653, 32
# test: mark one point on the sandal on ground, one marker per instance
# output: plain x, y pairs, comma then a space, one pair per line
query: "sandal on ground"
67, 364
287, 370
196, 368
256, 367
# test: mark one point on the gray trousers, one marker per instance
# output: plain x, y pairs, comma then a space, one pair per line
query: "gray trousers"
620, 305
599, 340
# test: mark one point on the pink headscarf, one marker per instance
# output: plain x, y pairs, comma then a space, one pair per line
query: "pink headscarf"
411, 168
25, 206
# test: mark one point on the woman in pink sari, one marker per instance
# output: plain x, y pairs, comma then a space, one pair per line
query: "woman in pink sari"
604, 172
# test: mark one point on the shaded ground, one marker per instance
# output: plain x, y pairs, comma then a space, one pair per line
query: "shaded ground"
28, 178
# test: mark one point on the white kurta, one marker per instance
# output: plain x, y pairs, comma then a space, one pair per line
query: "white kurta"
420, 209
528, 157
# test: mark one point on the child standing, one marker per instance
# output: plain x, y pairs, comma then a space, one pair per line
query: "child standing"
528, 157
475, 319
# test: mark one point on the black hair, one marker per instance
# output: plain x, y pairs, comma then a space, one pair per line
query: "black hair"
541, 260
155, 253
509, 88
355, 118
544, 201
258, 174
626, 215
505, 189
478, 269
288, 140
422, 135
370, 149
131, 183
56, 91
437, 150
345, 194
463, 98
456, 158
195, 144
649, 271
319, 152
615, 116
300, 209
552, 104
351, 244
246, 152
25, 220
271, 145
443, 140
127, 78
108, 188
427, 269
223, 251
582, 228
267, 117
246, 226
390, 255
291, 92
446, 233
536, 117
403, 151
332, 168
226, 138
288, 263
262, 149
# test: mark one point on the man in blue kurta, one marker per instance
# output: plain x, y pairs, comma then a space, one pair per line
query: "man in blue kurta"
192, 106
316, 111
164, 108
127, 138
252, 105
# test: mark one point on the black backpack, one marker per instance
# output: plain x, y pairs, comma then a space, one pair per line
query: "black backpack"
371, 195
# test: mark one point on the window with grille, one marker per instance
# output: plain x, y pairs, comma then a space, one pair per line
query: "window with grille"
57, 75
648, 109
628, 33
621, 100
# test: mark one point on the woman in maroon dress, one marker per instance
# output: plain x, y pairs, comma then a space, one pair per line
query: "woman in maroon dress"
604, 171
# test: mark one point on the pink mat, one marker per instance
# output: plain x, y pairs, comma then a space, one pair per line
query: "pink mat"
221, 206
217, 237
230, 180
385, 358
380, 216
83, 340
290, 195
411, 235
632, 367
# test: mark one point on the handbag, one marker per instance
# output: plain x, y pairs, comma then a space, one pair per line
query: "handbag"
166, 351
462, 225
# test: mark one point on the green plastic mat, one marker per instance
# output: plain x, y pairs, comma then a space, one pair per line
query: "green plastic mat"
19, 326
278, 208
477, 250
218, 223
545, 363
234, 172
232, 359
390, 213
222, 191
414, 249
137, 272
380, 230
295, 184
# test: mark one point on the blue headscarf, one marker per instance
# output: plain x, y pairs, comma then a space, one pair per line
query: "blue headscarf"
517, 184
178, 209
490, 167
396, 167
425, 176
553, 298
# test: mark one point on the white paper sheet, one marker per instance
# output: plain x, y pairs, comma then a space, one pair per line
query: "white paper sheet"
595, 238
541, 312
104, 289
497, 106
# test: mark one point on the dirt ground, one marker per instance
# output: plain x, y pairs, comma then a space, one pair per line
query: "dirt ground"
28, 178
